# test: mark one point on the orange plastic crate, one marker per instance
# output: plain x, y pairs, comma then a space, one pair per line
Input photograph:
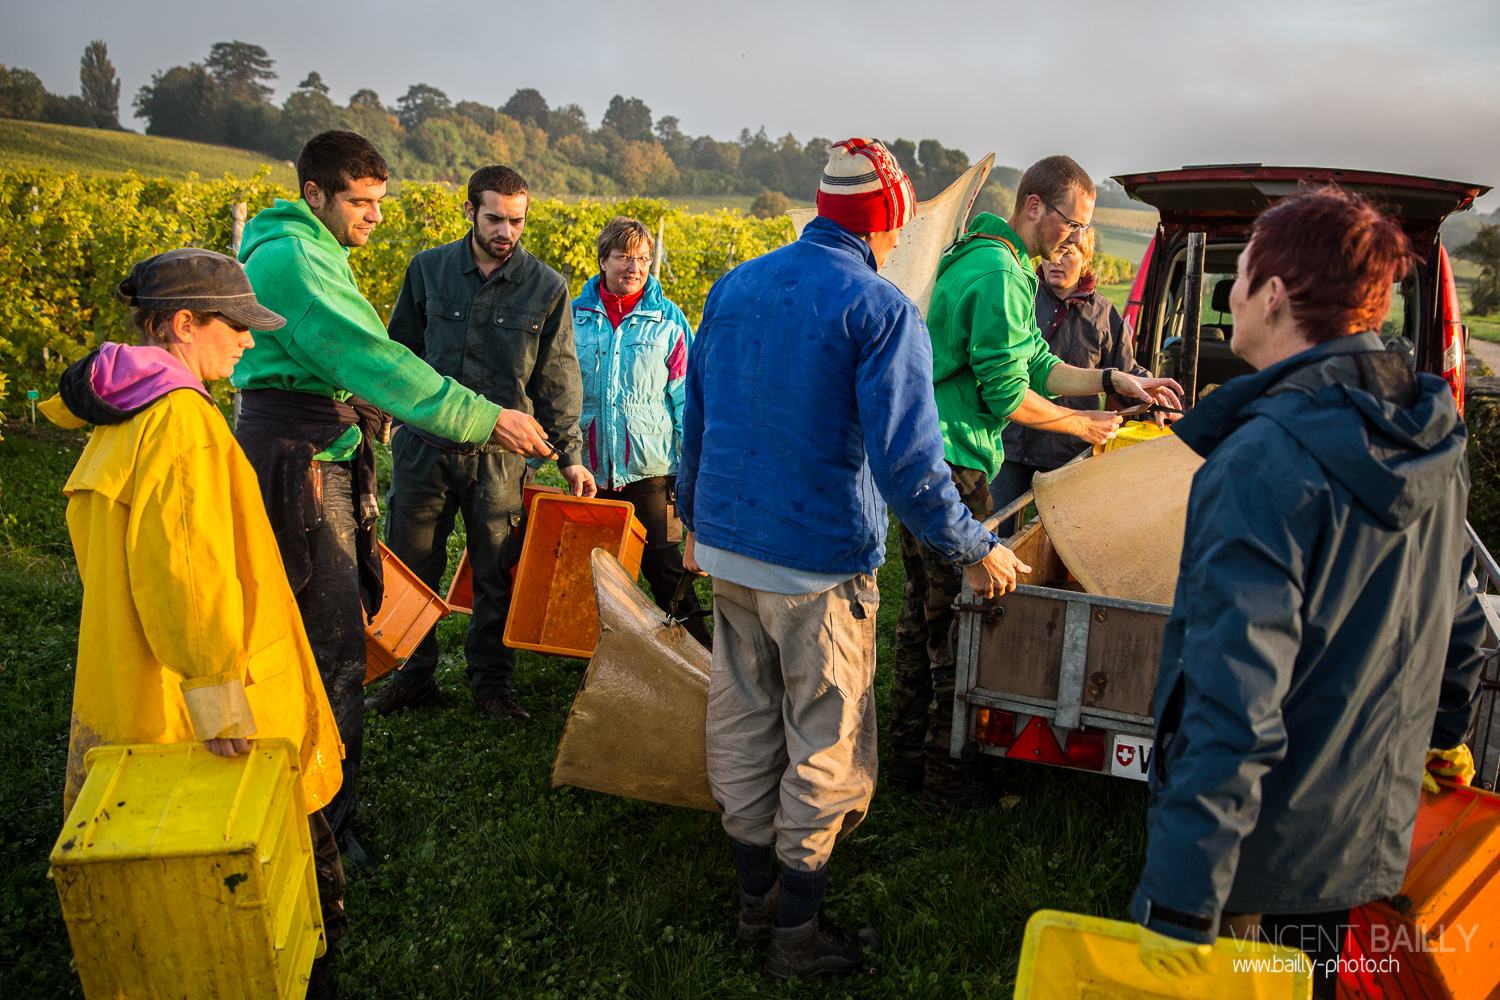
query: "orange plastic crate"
461, 591
553, 608
1440, 938
407, 613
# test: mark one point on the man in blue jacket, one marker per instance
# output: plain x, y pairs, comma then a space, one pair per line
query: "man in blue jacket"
809, 407
1323, 635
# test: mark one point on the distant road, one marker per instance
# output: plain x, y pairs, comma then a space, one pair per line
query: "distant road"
1487, 351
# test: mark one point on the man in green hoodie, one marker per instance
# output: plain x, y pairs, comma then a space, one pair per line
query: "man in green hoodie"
306, 427
990, 366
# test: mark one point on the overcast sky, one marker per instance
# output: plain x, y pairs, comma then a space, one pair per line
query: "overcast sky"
1400, 85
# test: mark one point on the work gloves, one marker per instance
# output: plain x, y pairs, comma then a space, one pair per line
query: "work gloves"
1457, 764
1171, 958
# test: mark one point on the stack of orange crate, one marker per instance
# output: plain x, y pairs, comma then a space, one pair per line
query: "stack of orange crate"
1440, 938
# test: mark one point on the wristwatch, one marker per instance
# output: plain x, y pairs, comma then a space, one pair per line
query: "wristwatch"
1108, 379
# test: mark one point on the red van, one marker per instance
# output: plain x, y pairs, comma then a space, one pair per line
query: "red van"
1053, 675
1222, 200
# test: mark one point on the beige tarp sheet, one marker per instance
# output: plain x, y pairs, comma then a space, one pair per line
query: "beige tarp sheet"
1117, 519
638, 726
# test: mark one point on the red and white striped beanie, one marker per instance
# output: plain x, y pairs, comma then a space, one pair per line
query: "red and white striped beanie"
864, 189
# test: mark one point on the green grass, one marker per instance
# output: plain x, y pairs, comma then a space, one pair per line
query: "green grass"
495, 885
1485, 328
33, 145
1118, 294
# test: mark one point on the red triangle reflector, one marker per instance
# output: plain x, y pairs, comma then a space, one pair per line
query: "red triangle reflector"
1037, 743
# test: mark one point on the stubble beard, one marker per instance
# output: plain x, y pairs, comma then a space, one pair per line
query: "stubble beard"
495, 251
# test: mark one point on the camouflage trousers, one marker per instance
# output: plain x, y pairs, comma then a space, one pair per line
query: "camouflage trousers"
922, 694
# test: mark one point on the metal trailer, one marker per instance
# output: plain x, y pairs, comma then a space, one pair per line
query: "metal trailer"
1484, 738
1052, 675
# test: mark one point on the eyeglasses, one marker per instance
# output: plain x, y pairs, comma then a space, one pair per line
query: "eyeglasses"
1073, 227
644, 261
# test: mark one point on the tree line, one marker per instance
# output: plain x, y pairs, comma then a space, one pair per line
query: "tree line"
96, 105
425, 135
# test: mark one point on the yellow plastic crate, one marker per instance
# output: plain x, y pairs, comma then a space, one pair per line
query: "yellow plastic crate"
1132, 432
183, 874
1068, 956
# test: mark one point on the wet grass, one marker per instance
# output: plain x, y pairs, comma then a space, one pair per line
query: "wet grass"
493, 884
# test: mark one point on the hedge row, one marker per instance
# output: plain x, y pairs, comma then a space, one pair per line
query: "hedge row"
1482, 414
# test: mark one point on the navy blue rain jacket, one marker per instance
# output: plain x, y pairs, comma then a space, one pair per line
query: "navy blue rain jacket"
809, 399
1323, 634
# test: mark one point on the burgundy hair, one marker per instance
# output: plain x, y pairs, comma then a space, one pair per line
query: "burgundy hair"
1338, 256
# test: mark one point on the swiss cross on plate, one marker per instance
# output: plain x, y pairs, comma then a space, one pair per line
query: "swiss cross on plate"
1132, 758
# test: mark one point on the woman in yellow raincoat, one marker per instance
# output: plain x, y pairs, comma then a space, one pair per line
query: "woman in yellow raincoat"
189, 630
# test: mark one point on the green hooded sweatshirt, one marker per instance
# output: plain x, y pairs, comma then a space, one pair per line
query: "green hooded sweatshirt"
334, 343
986, 348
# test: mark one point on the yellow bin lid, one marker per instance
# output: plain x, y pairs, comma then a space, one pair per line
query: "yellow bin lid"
175, 800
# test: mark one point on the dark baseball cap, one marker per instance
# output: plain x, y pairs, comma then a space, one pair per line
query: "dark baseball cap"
200, 280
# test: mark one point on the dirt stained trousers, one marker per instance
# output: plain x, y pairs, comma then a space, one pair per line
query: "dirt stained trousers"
791, 716
335, 622
922, 689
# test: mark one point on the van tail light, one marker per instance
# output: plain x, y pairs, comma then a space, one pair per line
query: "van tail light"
1085, 750
1452, 326
995, 728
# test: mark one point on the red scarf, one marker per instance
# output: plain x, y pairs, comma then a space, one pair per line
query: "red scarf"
617, 307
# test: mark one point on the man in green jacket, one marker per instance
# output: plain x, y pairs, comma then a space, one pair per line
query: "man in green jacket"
306, 427
990, 366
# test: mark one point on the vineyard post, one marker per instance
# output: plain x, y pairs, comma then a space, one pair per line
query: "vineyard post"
237, 213
661, 233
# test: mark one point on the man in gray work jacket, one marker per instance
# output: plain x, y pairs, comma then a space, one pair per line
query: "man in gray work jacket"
490, 315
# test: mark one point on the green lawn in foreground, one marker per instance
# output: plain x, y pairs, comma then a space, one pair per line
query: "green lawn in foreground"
31, 145
496, 885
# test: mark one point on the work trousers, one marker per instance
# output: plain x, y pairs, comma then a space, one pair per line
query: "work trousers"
1011, 481
791, 716
1320, 935
329, 869
661, 563
430, 486
922, 692
335, 622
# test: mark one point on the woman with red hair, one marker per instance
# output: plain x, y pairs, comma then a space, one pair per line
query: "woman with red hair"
1323, 643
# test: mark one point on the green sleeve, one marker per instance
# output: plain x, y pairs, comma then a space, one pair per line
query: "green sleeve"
1042, 363
998, 309
339, 337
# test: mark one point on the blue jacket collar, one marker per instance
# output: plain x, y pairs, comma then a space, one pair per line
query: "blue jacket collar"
827, 233
1395, 451
651, 302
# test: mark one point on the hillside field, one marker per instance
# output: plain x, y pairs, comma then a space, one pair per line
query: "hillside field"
32, 145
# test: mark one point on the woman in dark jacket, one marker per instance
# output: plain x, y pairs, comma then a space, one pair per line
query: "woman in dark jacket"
1084, 329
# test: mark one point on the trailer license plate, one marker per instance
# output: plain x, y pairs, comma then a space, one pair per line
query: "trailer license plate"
1132, 757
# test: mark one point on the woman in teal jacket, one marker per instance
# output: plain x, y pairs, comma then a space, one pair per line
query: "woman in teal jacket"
632, 351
